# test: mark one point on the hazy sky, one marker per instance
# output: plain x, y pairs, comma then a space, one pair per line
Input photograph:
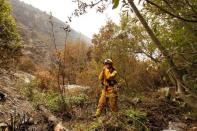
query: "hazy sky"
87, 24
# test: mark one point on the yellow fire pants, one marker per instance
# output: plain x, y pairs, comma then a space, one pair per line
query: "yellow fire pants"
110, 97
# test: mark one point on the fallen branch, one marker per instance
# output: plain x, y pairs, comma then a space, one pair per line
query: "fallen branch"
55, 122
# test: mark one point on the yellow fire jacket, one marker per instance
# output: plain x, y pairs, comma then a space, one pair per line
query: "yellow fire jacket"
107, 78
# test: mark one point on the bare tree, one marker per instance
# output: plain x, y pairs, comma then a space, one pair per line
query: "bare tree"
67, 30
60, 61
55, 46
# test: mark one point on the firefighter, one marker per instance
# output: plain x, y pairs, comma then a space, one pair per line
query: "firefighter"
109, 93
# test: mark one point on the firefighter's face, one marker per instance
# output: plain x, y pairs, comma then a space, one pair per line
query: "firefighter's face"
107, 65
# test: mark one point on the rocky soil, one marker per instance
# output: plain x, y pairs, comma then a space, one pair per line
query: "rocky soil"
18, 113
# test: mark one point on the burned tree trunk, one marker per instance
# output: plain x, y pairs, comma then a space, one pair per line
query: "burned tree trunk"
2, 96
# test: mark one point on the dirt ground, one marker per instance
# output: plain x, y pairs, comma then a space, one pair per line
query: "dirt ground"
161, 113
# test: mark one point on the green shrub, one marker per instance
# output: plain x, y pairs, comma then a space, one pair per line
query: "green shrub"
139, 119
78, 100
28, 89
10, 46
51, 99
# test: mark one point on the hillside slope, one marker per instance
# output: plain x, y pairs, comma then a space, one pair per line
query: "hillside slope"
35, 30
38, 21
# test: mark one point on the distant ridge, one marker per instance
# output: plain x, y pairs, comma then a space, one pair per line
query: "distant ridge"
38, 21
35, 30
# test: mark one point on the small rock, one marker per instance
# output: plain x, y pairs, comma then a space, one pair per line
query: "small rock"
24, 77
31, 120
60, 127
167, 92
136, 100
177, 126
3, 125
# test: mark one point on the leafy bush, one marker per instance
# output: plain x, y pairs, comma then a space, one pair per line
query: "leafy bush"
52, 99
10, 48
129, 119
139, 119
78, 100
28, 89
47, 79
